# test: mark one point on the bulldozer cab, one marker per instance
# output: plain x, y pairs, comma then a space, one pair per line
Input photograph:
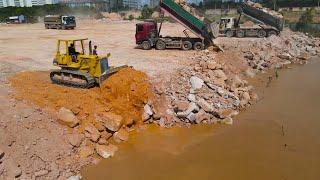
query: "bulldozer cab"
68, 52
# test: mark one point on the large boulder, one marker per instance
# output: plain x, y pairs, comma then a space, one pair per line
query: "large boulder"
112, 121
121, 135
147, 112
196, 83
94, 133
75, 139
66, 116
106, 151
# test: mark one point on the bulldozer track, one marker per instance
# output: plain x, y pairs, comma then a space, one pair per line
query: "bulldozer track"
71, 78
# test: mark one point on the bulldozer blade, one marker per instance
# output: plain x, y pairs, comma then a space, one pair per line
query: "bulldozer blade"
109, 72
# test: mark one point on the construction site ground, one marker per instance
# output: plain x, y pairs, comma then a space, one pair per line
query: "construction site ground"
35, 144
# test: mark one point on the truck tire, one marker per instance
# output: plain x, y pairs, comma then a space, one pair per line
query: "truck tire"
186, 45
240, 34
160, 45
262, 34
198, 46
146, 45
46, 26
229, 33
272, 32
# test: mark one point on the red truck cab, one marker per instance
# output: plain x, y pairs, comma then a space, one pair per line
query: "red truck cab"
145, 32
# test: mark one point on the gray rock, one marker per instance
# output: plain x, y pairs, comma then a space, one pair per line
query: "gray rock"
192, 108
191, 97
228, 121
106, 151
76, 177
191, 117
196, 82
147, 109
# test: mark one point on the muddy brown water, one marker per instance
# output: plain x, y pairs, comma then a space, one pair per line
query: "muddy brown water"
278, 138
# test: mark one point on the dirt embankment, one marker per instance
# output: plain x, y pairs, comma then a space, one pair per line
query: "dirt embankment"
97, 118
124, 93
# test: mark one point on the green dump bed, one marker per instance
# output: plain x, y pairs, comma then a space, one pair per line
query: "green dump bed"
187, 19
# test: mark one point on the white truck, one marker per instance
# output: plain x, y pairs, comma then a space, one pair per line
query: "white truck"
59, 22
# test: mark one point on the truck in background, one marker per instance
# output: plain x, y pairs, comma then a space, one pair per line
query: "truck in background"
148, 33
269, 22
59, 22
16, 19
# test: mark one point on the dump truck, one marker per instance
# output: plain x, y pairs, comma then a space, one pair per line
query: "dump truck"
148, 34
59, 22
269, 22
16, 19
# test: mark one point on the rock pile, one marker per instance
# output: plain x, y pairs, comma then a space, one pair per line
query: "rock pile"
203, 93
212, 89
278, 51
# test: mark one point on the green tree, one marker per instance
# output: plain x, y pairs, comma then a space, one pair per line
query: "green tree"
146, 12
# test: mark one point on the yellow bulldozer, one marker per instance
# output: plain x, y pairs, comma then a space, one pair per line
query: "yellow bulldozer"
78, 69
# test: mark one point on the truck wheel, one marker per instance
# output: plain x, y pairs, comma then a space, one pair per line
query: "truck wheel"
262, 34
46, 26
160, 45
240, 34
186, 45
146, 45
272, 32
198, 46
229, 34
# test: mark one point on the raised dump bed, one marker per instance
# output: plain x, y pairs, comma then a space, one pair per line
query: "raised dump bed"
263, 15
188, 20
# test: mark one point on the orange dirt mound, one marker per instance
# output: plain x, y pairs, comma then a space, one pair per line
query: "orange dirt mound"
123, 93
